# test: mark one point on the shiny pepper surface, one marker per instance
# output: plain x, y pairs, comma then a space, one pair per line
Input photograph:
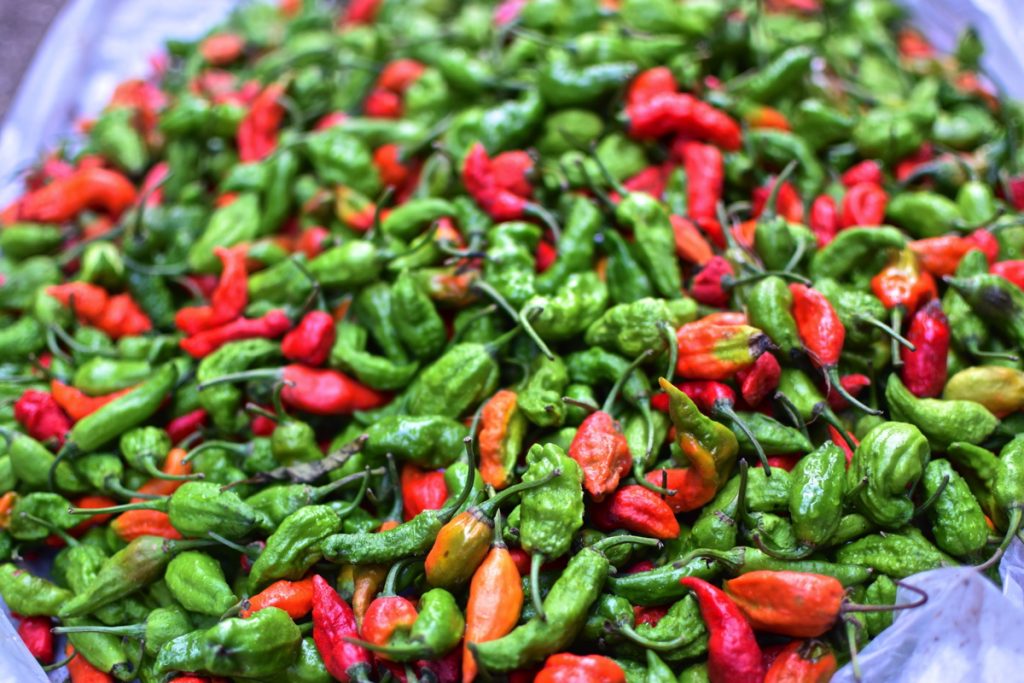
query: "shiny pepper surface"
502, 428
262, 645
816, 494
197, 581
648, 220
803, 661
569, 668
924, 369
540, 401
632, 328
796, 604
602, 452
709, 447
891, 458
552, 513
958, 523
460, 378
941, 421
717, 351
295, 546
733, 654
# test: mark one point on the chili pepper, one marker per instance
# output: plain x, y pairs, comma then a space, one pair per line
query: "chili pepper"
679, 113
957, 521
270, 326
333, 624
185, 425
709, 285
824, 219
41, 416
228, 300
941, 255
999, 389
135, 523
733, 654
502, 428
421, 490
428, 633
864, 204
822, 334
376, 372
322, 392
540, 401
897, 555
258, 131
891, 457
116, 315
852, 250
760, 380
769, 304
197, 581
712, 351
941, 421
310, 342
86, 187
636, 509
988, 294
709, 446
31, 463
569, 668
29, 595
499, 203
924, 369
35, 634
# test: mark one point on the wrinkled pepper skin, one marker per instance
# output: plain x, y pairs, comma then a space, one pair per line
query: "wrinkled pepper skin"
891, 458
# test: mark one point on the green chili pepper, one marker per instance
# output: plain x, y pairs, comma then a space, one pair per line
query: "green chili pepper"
648, 220
30, 595
229, 225
197, 581
958, 523
894, 554
941, 421
856, 252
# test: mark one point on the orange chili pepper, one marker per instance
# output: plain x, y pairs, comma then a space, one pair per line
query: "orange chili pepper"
717, 351
174, 464
902, 283
91, 501
941, 255
495, 601
7, 502
496, 422
797, 604
134, 523
87, 188
294, 597
81, 671
690, 243
691, 489
570, 668
803, 661
77, 404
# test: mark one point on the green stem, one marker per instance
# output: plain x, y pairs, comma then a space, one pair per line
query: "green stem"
621, 380
723, 409
630, 634
832, 374
896, 336
524, 320
449, 509
152, 470
243, 376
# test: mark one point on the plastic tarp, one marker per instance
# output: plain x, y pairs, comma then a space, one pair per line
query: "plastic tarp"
968, 630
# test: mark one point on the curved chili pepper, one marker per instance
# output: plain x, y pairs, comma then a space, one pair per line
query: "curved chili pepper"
924, 370
638, 509
680, 113
708, 350
86, 188
228, 300
760, 380
310, 342
79, 405
690, 243
294, 597
270, 326
733, 654
709, 285
258, 131
41, 416
333, 625
941, 255
1011, 270
501, 436
824, 219
902, 283
602, 451
797, 604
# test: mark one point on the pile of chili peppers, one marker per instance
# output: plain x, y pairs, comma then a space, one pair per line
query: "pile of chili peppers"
636, 340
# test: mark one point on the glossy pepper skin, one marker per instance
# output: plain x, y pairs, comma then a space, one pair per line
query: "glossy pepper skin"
797, 604
552, 513
733, 654
333, 621
924, 369
957, 521
941, 421
891, 457
262, 645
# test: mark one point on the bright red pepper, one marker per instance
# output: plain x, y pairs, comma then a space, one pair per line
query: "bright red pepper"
311, 340
941, 255
636, 509
682, 114
986, 241
421, 490
383, 104
294, 597
500, 203
545, 256
385, 615
360, 12
511, 171
690, 243
924, 371
1011, 270
903, 283
87, 188
824, 219
228, 300
759, 380
708, 286
569, 668
333, 624
705, 178
803, 661
270, 326
394, 171
41, 416
399, 74
258, 131
864, 204
185, 425
81, 671
867, 171
691, 489
647, 84
602, 452
117, 315
787, 203
220, 49
35, 634
733, 653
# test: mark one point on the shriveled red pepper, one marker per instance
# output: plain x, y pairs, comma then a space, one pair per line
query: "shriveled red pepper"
333, 624
864, 204
690, 243
228, 300
637, 509
570, 668
500, 203
759, 380
311, 340
258, 132
903, 283
270, 326
708, 286
797, 604
822, 334
646, 84
705, 178
733, 653
185, 425
77, 404
803, 661
602, 452
41, 416
313, 390
294, 597
118, 315
511, 171
421, 490
824, 219
682, 114
495, 421
708, 350
87, 188
35, 634
1011, 270
924, 370
360, 12
867, 171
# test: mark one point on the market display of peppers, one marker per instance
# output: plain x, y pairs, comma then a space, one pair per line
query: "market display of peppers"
555, 340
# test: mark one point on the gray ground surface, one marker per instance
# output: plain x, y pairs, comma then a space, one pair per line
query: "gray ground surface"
22, 25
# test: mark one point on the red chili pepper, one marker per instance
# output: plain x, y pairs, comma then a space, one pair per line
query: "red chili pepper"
649, 615
151, 184
91, 501
498, 202
733, 653
511, 171
508, 11
913, 44
651, 180
853, 384
385, 615
399, 74
838, 440
902, 283
941, 255
824, 220
86, 300
333, 623
924, 371
294, 597
311, 340
709, 349
705, 177
986, 241
787, 203
270, 326
228, 300
81, 671
570, 668
383, 104
708, 286
786, 462
682, 114
41, 416
122, 318
908, 165
77, 404
602, 452
1011, 270
135, 523
636, 509
394, 172
691, 489
421, 490
545, 256
759, 380
35, 634
220, 49
867, 171
647, 84
185, 425
690, 243
361, 12
258, 131
864, 204
87, 188
761, 116
803, 661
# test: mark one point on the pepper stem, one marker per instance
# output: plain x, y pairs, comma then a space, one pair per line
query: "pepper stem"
617, 387
931, 500
243, 376
321, 492
449, 509
832, 373
896, 336
159, 505
771, 205
798, 553
640, 465
490, 506
544, 216
725, 410
394, 573
53, 528
536, 560
230, 446
630, 634
852, 607
792, 413
975, 351
1012, 527
358, 500
410, 650
609, 541
152, 470
238, 548
524, 320
896, 323
830, 417
114, 485
130, 630
672, 345
61, 664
